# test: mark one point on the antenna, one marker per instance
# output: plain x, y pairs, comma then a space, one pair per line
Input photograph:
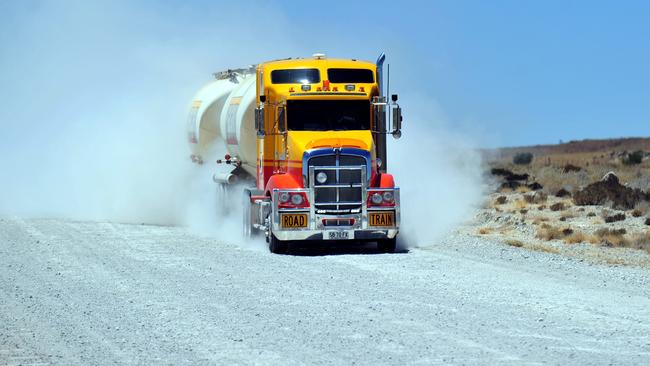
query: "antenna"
388, 79
388, 118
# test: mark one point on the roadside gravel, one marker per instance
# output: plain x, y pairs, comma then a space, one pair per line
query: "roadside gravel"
102, 293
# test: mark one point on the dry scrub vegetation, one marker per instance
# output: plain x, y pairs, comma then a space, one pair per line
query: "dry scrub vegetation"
566, 197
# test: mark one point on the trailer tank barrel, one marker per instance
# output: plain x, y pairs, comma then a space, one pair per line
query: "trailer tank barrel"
221, 120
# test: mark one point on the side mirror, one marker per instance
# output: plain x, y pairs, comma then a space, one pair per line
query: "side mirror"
397, 122
259, 122
282, 122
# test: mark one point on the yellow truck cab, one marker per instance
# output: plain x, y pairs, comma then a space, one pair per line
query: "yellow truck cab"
321, 127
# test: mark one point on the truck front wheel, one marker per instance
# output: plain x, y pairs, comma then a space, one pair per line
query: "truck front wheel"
387, 245
277, 246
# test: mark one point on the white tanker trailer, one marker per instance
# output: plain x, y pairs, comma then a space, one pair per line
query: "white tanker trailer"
211, 125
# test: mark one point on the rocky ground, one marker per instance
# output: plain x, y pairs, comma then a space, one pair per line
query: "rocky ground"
603, 222
101, 293
573, 231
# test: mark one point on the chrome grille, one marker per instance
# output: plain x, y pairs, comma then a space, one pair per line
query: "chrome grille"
343, 190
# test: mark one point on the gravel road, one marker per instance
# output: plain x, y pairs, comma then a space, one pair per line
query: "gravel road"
102, 293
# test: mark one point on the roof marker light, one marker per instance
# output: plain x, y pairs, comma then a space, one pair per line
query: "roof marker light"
305, 87
349, 87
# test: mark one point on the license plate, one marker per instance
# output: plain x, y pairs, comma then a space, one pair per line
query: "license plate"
292, 221
338, 235
381, 218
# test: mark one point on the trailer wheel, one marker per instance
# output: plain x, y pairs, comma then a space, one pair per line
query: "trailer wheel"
277, 246
387, 245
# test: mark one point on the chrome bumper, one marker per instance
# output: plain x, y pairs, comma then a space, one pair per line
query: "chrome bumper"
362, 235
316, 230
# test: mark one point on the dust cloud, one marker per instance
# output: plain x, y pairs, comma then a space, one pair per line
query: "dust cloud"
93, 103
94, 99
438, 170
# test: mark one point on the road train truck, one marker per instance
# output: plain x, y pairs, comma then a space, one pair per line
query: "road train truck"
307, 139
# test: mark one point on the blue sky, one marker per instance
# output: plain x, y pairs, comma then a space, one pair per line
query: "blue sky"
522, 72
508, 72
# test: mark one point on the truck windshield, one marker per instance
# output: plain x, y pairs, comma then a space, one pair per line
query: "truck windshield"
328, 115
350, 76
295, 76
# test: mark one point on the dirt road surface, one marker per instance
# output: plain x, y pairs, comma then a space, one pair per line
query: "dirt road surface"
102, 293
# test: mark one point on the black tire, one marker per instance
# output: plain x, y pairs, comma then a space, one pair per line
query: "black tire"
277, 246
387, 245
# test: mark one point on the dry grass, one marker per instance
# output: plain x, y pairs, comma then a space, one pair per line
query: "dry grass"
615, 217
514, 243
620, 238
616, 261
540, 219
641, 209
519, 204
567, 215
612, 237
641, 241
543, 248
605, 236
537, 197
580, 237
548, 232
559, 206
522, 189
485, 230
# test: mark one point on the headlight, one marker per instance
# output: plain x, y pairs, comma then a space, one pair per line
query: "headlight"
388, 196
376, 198
296, 199
321, 177
284, 197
